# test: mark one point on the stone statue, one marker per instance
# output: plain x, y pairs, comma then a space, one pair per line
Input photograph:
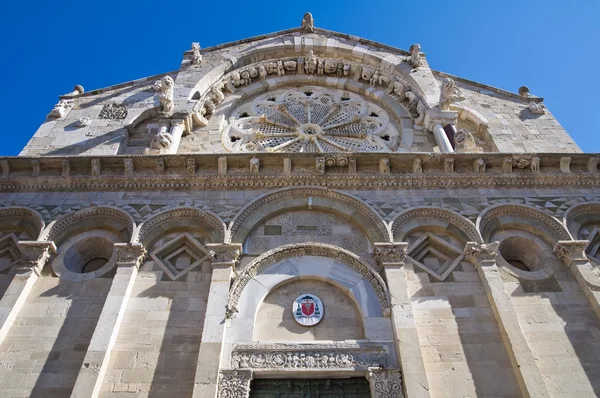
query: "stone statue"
254, 165
311, 63
537, 108
415, 56
448, 93
464, 141
165, 88
397, 88
262, 72
411, 97
374, 79
196, 56
59, 109
162, 141
236, 78
421, 110
245, 75
417, 166
217, 94
308, 23
479, 165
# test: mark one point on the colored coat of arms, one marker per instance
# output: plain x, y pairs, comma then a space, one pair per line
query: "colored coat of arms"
308, 310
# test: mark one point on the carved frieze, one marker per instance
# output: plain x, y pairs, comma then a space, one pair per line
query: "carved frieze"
290, 356
234, 383
113, 111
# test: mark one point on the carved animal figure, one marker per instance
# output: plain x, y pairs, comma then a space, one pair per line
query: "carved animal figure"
448, 93
165, 88
537, 108
464, 141
196, 56
162, 141
415, 55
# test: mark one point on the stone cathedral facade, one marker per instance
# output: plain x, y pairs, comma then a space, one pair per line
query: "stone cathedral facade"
300, 214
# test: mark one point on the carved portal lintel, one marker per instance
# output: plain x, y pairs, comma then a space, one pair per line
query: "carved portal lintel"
390, 253
481, 253
234, 383
298, 356
569, 251
34, 255
225, 253
130, 254
385, 383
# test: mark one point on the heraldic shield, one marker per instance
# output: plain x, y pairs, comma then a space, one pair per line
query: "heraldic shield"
308, 309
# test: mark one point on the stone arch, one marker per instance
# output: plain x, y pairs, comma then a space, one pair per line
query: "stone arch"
342, 204
163, 220
408, 220
471, 115
69, 221
85, 241
527, 237
23, 218
354, 263
503, 215
573, 217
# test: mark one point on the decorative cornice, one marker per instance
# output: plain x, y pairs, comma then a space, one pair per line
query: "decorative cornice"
110, 174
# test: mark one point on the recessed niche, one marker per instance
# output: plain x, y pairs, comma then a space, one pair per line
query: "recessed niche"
522, 253
88, 255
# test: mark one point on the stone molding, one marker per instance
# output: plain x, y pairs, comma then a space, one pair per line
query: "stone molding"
385, 383
311, 249
177, 214
462, 223
581, 208
265, 200
130, 254
303, 357
108, 174
522, 212
568, 251
18, 212
234, 383
481, 253
390, 253
34, 255
56, 227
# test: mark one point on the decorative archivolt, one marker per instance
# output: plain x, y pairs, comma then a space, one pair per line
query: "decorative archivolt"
311, 249
181, 213
56, 227
460, 222
30, 219
309, 119
377, 231
522, 213
398, 88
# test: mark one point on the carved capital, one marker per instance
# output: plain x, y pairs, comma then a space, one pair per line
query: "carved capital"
436, 116
34, 255
130, 254
390, 253
478, 253
569, 251
225, 253
234, 383
385, 383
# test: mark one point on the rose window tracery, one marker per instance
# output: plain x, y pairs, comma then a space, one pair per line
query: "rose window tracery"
309, 119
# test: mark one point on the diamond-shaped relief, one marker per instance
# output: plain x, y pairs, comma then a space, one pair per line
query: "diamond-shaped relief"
593, 248
435, 256
180, 255
9, 251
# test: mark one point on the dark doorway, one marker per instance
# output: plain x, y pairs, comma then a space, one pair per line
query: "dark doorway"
356, 387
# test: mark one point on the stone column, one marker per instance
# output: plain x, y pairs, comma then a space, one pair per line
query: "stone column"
385, 383
434, 121
225, 259
234, 383
572, 253
482, 256
391, 256
34, 255
129, 258
177, 129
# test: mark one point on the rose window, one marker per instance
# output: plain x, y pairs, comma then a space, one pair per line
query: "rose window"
309, 119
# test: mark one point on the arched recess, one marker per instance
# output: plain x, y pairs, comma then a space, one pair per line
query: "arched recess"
352, 264
16, 224
527, 238
346, 206
182, 217
436, 238
583, 222
21, 220
176, 240
85, 241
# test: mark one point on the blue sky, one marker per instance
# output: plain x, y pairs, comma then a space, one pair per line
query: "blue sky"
50, 46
